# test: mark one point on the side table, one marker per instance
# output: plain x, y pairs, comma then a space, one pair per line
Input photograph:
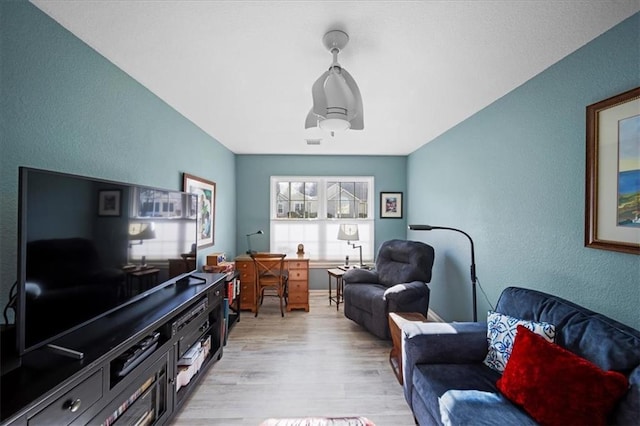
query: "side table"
336, 273
396, 319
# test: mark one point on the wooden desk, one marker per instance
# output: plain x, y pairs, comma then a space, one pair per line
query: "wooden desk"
298, 268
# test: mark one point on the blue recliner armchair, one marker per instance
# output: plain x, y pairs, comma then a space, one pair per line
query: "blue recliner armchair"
397, 284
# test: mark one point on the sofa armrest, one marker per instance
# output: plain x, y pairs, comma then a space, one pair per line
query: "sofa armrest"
359, 276
440, 343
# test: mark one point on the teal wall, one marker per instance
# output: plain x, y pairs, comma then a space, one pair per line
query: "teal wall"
253, 174
513, 177
64, 107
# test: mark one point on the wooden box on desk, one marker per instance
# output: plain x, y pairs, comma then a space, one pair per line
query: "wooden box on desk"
216, 259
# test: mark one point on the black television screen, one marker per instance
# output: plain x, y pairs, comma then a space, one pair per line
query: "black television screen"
89, 246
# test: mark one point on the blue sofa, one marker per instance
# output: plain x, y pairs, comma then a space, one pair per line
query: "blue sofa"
446, 381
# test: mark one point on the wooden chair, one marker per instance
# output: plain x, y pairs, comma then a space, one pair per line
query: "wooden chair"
270, 275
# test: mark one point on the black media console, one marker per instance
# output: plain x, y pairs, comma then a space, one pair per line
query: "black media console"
139, 363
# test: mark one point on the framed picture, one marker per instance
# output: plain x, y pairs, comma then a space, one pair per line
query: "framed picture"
612, 207
391, 205
109, 202
206, 208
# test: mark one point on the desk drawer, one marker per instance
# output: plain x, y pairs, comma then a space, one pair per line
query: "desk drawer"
298, 298
72, 404
298, 274
298, 287
298, 264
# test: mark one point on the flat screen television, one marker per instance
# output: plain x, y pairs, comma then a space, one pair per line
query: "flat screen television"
82, 240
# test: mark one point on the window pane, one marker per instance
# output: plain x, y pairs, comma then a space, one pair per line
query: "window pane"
308, 210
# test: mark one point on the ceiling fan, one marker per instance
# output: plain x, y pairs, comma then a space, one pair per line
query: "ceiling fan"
337, 103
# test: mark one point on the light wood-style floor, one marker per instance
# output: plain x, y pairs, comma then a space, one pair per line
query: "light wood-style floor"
315, 363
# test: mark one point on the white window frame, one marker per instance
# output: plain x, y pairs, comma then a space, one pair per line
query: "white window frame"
319, 235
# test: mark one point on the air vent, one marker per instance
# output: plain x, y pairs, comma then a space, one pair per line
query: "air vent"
313, 141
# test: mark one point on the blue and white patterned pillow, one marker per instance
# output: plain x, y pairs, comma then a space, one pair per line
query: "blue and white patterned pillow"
501, 332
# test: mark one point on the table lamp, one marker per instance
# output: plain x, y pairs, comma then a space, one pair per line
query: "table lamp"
138, 232
349, 232
249, 251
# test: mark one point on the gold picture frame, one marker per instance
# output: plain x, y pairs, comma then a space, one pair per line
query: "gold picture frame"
612, 205
206, 192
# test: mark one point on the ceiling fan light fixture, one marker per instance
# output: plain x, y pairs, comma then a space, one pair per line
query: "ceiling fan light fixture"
337, 103
334, 125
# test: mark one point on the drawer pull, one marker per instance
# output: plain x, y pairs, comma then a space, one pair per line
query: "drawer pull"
73, 406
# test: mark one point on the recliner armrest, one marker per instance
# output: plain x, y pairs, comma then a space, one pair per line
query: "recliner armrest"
355, 276
404, 293
440, 343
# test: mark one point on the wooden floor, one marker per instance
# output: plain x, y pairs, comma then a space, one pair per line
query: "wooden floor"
315, 363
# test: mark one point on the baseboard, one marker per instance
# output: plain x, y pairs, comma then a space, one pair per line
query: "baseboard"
433, 317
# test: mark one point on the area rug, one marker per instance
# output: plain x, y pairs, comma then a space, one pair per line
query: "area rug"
319, 421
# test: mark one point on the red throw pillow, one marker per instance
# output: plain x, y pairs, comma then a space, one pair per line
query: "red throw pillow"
557, 387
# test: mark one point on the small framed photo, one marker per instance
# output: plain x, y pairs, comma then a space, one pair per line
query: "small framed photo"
109, 202
391, 205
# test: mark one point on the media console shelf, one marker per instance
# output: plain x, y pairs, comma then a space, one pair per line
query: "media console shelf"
130, 370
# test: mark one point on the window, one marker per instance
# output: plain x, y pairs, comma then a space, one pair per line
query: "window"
310, 209
167, 214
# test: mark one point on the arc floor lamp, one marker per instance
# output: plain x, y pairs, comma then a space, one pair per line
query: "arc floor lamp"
474, 278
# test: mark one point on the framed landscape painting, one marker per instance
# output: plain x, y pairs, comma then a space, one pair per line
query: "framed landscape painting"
206, 208
612, 211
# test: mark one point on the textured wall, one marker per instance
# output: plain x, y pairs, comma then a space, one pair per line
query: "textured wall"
254, 171
64, 107
513, 175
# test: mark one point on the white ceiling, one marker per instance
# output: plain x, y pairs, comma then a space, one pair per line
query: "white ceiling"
242, 70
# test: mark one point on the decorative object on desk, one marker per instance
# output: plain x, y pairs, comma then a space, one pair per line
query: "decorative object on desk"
474, 278
349, 232
612, 213
216, 258
391, 205
300, 249
249, 251
337, 103
109, 202
206, 208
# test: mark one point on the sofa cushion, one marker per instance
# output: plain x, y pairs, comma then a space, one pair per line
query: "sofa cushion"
605, 342
431, 381
501, 332
557, 387
472, 407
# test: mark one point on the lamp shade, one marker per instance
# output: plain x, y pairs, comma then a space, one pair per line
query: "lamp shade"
348, 232
142, 231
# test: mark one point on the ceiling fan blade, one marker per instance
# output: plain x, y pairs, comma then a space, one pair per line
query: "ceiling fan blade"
339, 96
311, 121
319, 97
355, 113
